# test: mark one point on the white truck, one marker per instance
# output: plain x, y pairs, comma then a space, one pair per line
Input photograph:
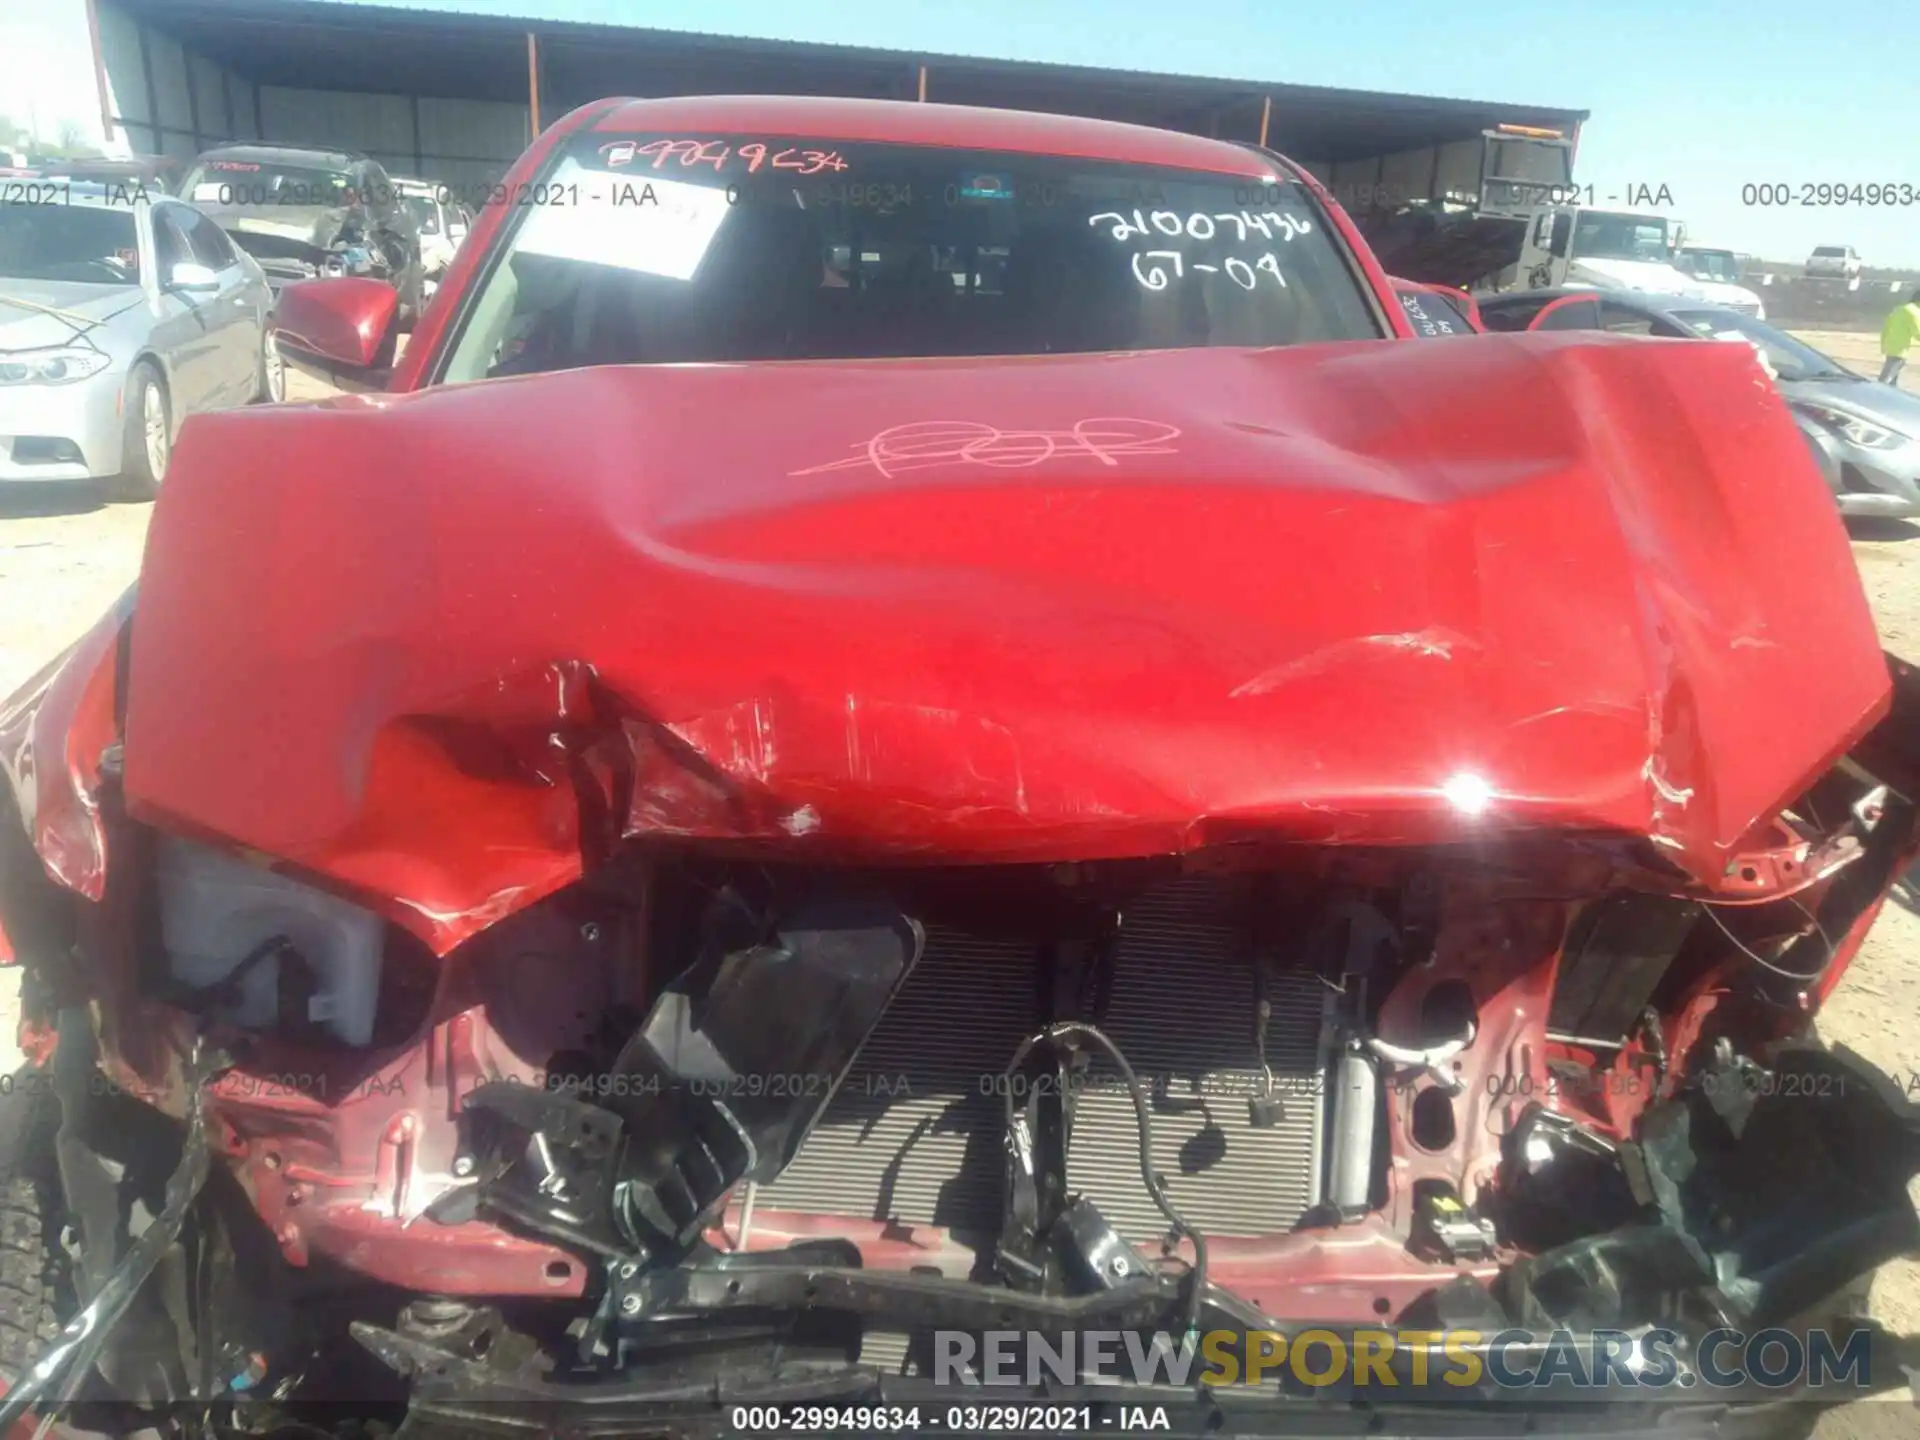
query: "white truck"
1625, 250
1605, 249
1520, 224
1717, 271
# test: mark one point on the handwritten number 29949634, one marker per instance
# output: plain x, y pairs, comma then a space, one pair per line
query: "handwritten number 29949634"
619, 154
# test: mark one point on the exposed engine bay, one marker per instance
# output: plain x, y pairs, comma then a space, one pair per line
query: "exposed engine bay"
695, 1120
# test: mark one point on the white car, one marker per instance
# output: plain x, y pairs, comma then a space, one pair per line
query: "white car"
443, 223
122, 312
1838, 260
1717, 273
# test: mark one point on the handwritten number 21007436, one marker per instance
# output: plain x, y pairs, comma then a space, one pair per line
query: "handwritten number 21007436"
1200, 225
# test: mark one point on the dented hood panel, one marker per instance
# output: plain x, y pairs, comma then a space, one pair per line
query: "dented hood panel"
442, 649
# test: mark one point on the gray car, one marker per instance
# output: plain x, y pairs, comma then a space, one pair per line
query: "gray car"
307, 213
1865, 436
122, 312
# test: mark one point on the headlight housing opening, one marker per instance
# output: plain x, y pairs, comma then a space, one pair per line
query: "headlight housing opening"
1854, 428
58, 365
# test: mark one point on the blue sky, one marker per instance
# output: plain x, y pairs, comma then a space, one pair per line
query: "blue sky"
1703, 97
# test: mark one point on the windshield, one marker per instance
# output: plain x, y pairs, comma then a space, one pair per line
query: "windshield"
1786, 357
651, 251
426, 214
69, 242
1831, 252
249, 182
1600, 236
1711, 265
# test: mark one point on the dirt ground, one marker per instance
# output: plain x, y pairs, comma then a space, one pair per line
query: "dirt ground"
62, 562
1876, 1010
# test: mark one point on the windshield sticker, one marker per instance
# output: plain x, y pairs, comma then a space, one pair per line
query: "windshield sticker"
927, 443
984, 187
247, 165
652, 226
618, 154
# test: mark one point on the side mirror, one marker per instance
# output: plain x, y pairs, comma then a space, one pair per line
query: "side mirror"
193, 278
347, 320
1561, 234
456, 230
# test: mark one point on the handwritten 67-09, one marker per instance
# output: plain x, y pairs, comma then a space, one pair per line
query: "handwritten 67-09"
1155, 277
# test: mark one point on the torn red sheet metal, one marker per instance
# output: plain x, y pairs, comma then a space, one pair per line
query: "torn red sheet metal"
54, 732
443, 649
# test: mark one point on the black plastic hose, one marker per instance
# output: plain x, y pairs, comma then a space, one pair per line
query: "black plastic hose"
1143, 1117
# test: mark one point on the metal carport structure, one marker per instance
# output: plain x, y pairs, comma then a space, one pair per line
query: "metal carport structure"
454, 97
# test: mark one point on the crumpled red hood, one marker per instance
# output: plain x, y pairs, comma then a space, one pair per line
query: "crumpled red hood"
445, 648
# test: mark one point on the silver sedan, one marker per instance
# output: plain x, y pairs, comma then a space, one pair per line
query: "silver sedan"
122, 312
1864, 436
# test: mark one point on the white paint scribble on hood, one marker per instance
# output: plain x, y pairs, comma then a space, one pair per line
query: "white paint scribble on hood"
1435, 642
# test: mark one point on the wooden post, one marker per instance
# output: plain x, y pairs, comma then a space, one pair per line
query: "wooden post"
923, 84
193, 106
1266, 114
100, 75
153, 93
533, 82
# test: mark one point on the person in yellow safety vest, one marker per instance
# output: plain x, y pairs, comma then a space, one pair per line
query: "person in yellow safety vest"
1897, 337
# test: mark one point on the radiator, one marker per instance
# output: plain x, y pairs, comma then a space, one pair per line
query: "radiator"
1182, 1008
